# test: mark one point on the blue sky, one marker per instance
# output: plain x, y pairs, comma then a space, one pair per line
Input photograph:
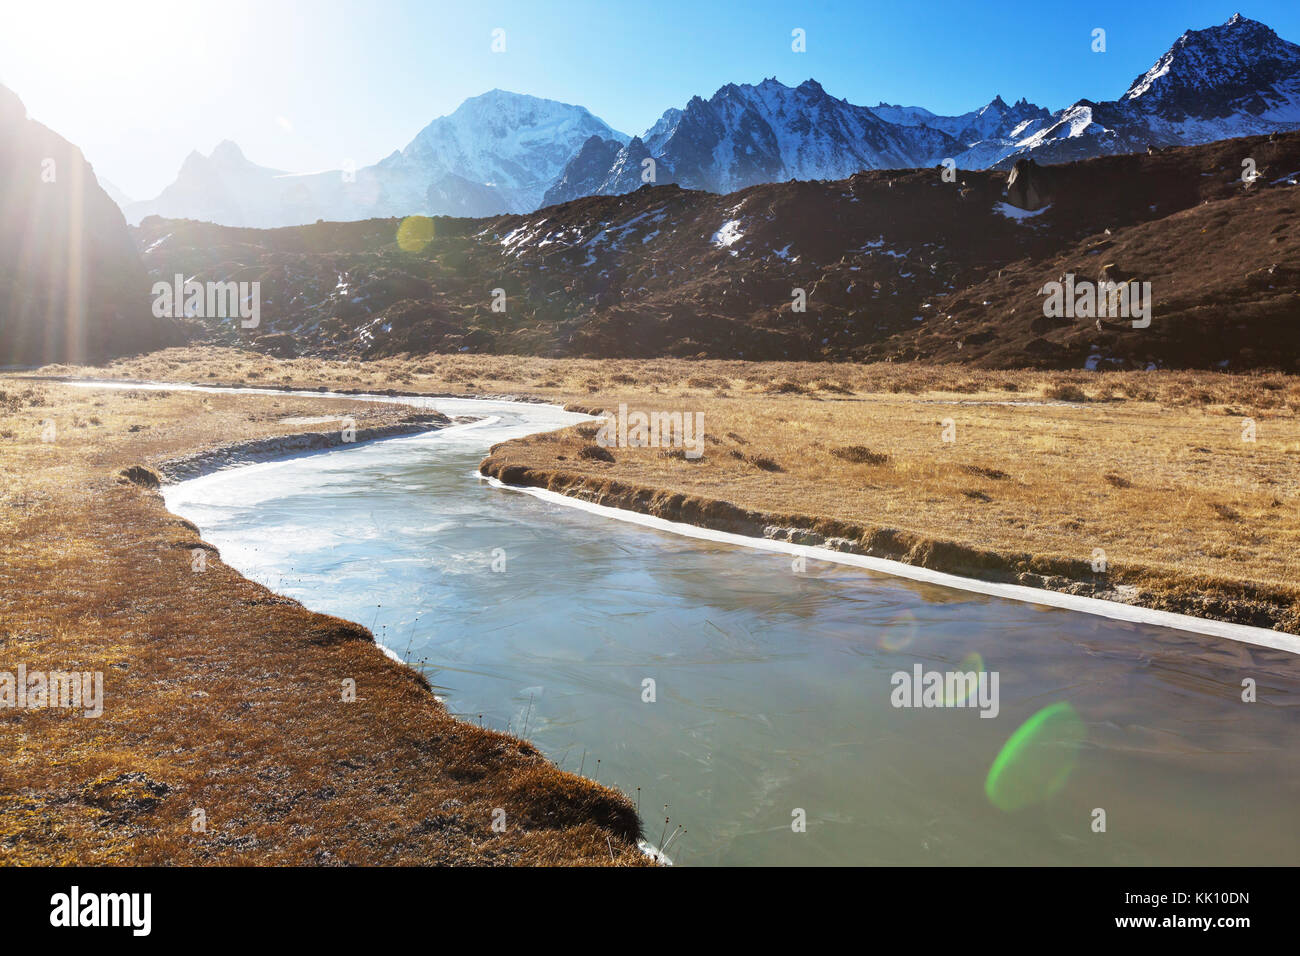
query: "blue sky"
314, 83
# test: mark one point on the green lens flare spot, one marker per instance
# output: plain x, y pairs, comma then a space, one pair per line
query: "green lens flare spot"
1035, 763
415, 233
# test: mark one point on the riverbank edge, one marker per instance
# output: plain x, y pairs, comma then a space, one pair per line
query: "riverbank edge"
1229, 602
255, 450
613, 811
325, 391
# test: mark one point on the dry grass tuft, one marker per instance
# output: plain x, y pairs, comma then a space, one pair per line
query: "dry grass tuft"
763, 463
859, 455
993, 474
1065, 392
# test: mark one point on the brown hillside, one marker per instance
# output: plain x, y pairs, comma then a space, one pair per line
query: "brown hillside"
894, 266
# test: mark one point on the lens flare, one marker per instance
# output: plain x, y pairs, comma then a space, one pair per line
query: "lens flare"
972, 663
1036, 761
899, 632
415, 233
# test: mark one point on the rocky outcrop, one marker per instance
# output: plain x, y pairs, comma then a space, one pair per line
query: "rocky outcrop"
1027, 186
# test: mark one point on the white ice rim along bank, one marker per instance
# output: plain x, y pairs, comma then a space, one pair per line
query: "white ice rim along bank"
1134, 614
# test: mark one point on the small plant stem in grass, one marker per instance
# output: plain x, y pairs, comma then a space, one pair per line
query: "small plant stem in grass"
679, 855
410, 638
675, 834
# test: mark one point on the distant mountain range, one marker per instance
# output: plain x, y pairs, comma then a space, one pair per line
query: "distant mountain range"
985, 136
505, 152
496, 152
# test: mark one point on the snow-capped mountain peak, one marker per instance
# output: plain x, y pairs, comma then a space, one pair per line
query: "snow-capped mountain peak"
1240, 65
512, 142
1235, 79
753, 133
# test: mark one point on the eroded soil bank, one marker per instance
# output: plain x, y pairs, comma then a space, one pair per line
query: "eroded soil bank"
1229, 601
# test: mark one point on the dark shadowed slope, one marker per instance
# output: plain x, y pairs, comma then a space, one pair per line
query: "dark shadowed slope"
72, 286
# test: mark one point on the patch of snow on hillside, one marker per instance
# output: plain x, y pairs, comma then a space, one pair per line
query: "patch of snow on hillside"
728, 235
1015, 212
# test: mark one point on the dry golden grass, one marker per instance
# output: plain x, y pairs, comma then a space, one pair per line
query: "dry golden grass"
1184, 510
219, 695
1046, 467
